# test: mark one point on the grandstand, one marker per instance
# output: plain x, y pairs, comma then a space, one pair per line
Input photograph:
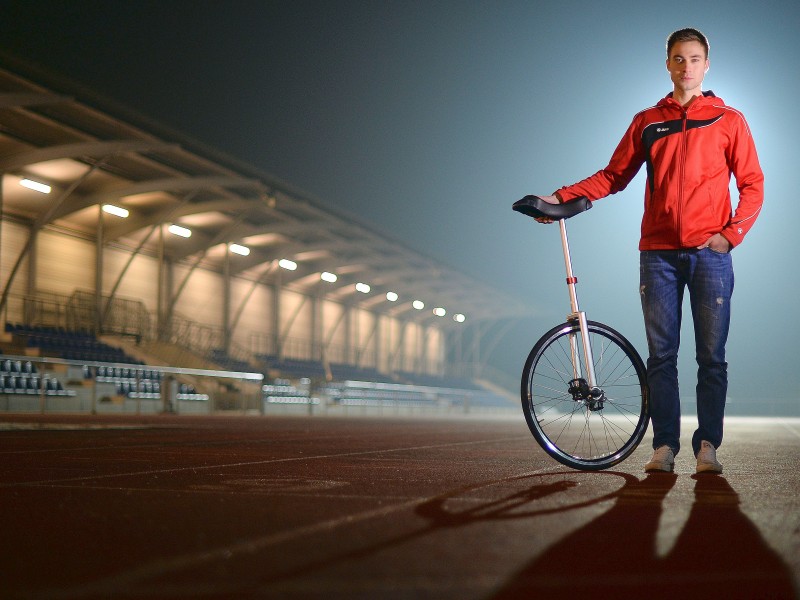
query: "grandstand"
126, 246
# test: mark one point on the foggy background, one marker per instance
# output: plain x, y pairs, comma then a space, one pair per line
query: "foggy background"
428, 119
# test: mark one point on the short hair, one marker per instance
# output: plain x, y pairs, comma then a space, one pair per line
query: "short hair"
687, 35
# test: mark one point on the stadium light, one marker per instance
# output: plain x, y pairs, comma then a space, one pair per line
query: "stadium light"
117, 211
439, 311
179, 231
459, 318
329, 277
287, 264
239, 249
35, 186
363, 288
418, 304
391, 296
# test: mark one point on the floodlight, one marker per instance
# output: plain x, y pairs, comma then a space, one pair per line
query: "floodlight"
179, 230
391, 296
117, 211
239, 249
36, 186
418, 304
329, 277
363, 288
287, 264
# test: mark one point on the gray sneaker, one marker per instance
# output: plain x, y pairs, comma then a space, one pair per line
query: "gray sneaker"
663, 460
707, 459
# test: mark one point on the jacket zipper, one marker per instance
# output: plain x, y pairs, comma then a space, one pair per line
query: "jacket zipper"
682, 176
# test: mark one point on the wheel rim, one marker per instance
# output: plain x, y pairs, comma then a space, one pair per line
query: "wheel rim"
573, 431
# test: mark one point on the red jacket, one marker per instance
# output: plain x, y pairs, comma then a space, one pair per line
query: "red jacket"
690, 155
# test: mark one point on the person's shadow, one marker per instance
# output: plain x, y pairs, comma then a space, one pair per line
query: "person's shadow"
719, 553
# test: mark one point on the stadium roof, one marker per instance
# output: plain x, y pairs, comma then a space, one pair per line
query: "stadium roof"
94, 152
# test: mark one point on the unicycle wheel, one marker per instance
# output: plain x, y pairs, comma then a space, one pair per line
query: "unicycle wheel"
584, 428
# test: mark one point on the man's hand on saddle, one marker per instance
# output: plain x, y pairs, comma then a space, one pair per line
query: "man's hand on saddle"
549, 200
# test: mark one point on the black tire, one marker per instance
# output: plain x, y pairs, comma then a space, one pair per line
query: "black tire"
566, 428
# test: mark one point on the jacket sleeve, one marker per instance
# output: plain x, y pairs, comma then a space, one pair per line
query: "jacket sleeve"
622, 168
743, 162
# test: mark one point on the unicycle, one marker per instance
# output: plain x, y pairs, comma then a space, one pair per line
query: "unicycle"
584, 386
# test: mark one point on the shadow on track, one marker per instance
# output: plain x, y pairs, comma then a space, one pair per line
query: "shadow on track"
718, 554
535, 495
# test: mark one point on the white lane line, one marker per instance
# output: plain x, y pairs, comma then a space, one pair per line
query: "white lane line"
45, 482
111, 585
163, 566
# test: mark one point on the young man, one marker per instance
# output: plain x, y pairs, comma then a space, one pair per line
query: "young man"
691, 143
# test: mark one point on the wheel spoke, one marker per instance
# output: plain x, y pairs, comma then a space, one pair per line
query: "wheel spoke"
577, 431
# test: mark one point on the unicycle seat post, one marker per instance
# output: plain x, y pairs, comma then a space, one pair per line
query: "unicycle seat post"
576, 312
571, 279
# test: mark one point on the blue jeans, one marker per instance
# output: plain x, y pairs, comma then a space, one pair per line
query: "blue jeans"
708, 275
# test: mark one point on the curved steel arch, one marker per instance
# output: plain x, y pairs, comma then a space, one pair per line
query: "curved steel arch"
27, 99
172, 184
97, 149
138, 221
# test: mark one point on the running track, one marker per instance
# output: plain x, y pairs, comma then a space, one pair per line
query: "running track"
295, 507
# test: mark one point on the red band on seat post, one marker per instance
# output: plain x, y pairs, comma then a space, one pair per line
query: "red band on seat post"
572, 280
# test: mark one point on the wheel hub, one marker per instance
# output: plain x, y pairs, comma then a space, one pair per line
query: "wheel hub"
593, 398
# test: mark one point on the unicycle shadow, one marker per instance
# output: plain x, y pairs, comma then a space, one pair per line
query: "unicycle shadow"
516, 497
718, 554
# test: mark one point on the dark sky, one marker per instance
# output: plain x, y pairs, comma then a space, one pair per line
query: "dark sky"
428, 119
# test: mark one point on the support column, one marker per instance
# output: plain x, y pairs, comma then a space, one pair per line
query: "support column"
2, 218
98, 272
164, 286
315, 333
378, 342
276, 321
226, 301
348, 334
476, 350
424, 332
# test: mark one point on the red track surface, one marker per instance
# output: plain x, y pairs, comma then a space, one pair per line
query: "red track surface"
236, 507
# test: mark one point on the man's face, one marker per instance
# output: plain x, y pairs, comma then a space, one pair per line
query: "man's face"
687, 65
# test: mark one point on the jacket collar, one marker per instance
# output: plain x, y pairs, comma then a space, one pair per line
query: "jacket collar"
707, 99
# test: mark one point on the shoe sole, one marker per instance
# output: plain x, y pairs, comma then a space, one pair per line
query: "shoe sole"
654, 469
709, 468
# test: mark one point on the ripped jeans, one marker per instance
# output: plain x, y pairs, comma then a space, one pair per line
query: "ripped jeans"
708, 275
